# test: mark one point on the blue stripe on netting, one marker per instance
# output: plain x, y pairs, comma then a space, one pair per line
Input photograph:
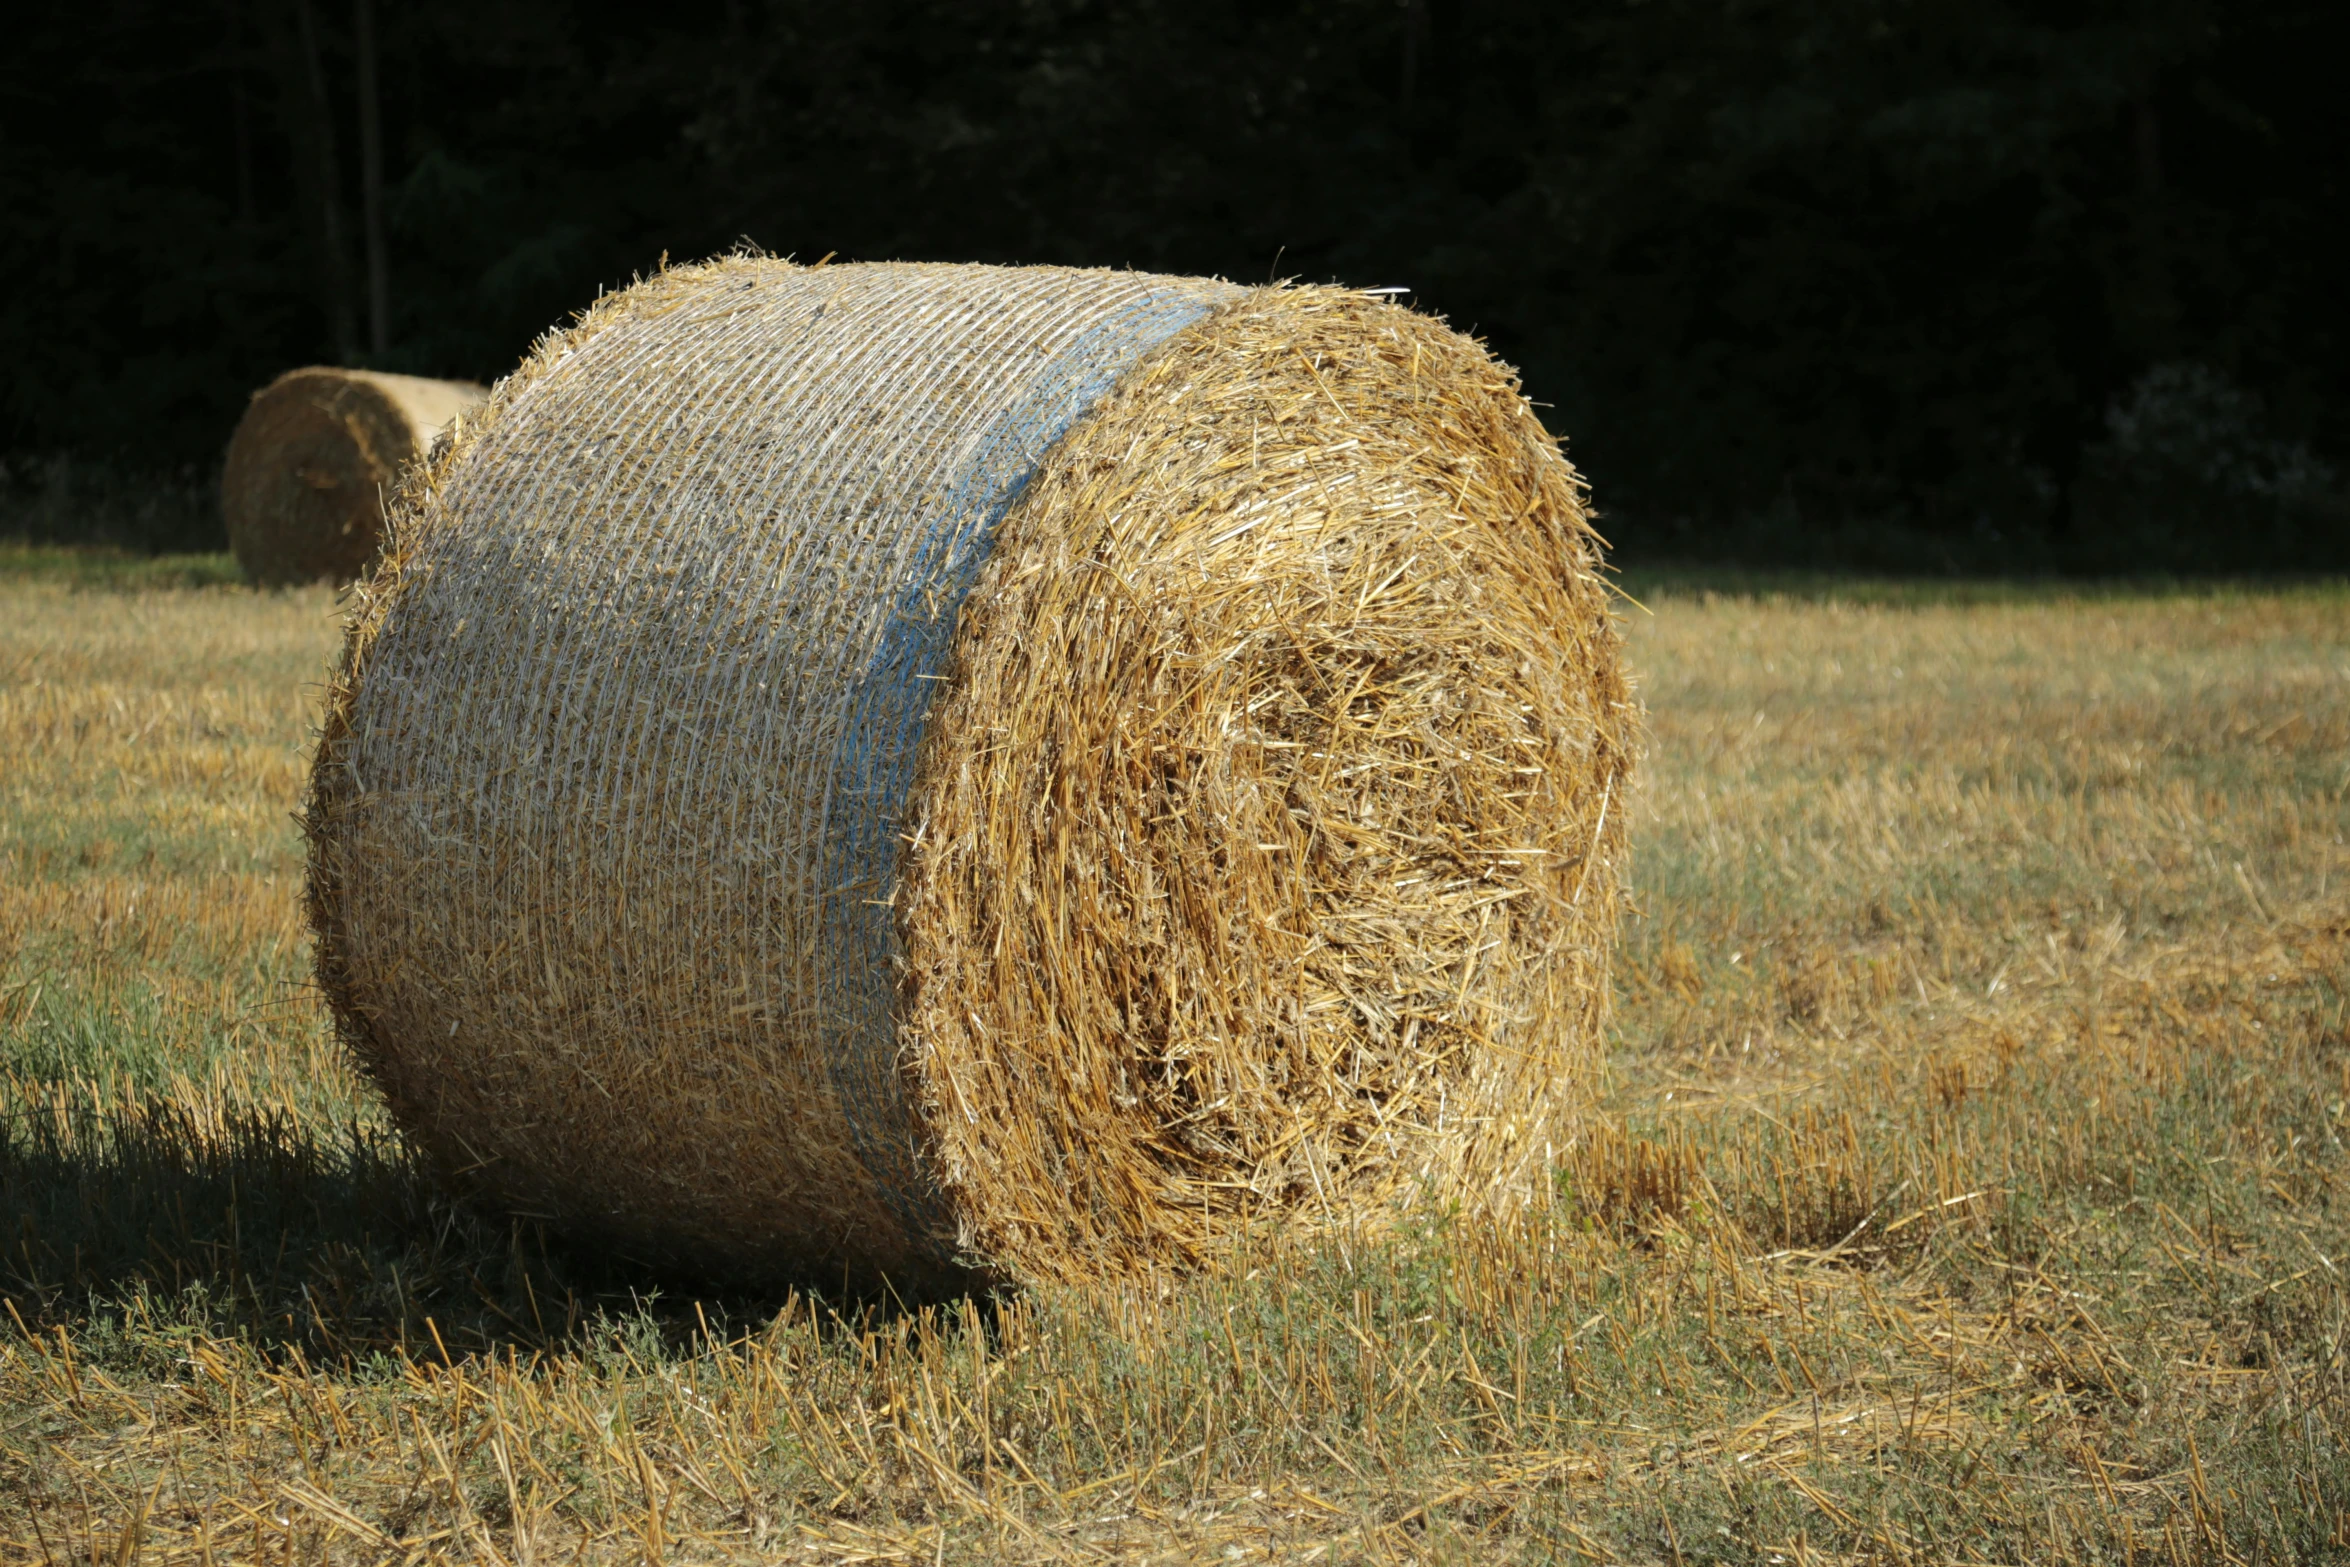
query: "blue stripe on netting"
873, 766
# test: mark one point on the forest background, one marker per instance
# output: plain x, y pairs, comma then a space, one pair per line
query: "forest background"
1919, 285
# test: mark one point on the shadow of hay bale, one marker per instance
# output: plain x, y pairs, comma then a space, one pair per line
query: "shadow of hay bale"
249, 1224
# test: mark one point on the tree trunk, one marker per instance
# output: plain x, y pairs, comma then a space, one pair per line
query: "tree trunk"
237, 110
1415, 39
309, 123
2157, 301
371, 181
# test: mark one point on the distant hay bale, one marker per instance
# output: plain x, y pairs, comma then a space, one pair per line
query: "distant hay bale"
302, 488
949, 774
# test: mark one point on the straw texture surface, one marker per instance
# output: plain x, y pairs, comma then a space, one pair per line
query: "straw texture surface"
930, 773
309, 464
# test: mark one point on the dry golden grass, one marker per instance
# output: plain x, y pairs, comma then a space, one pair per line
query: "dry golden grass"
1983, 1070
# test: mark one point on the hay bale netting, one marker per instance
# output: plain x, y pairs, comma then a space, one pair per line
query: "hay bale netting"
307, 469
919, 771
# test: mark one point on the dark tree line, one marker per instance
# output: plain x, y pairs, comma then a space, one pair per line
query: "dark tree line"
1918, 282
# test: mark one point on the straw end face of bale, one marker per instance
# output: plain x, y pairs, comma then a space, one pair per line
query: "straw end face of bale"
311, 462
1271, 827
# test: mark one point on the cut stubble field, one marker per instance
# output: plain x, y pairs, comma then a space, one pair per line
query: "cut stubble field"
1973, 1184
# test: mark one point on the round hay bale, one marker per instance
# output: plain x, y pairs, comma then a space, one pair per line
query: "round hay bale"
943, 774
307, 469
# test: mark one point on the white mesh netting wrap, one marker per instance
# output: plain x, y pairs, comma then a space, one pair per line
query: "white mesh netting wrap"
647, 692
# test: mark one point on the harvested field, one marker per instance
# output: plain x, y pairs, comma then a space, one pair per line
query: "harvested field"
1982, 1054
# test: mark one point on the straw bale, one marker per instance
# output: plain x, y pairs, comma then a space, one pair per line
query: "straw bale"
943, 773
303, 485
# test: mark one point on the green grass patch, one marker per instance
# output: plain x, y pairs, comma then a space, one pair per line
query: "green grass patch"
115, 571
